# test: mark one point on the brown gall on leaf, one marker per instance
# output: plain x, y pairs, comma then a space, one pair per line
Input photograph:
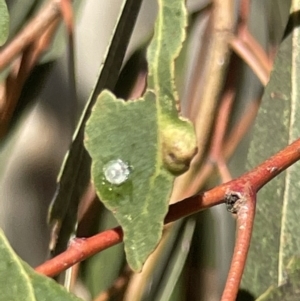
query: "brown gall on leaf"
178, 145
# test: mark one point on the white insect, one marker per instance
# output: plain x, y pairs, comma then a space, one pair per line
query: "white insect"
116, 171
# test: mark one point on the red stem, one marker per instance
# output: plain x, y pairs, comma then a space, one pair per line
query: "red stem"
245, 219
81, 249
35, 28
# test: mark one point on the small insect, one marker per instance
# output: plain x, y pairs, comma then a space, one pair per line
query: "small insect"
116, 171
232, 203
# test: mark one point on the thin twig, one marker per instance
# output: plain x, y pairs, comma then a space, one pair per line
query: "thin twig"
208, 91
257, 49
34, 29
222, 28
35, 38
82, 248
68, 17
245, 219
223, 170
16, 78
246, 52
79, 250
244, 14
242, 127
216, 154
229, 147
247, 47
223, 117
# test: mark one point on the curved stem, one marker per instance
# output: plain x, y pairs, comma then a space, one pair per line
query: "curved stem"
82, 248
79, 250
245, 51
245, 220
34, 29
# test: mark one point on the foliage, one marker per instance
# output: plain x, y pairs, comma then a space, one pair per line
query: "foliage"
279, 113
152, 151
75, 170
20, 282
220, 84
4, 22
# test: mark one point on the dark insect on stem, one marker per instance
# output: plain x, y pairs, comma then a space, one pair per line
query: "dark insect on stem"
231, 202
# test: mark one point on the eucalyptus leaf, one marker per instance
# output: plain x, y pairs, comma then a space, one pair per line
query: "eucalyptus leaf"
4, 22
18, 281
137, 203
276, 230
290, 290
138, 147
75, 171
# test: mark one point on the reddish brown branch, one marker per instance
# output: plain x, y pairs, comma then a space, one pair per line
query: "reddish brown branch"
247, 47
247, 52
258, 51
17, 78
34, 29
29, 44
216, 155
229, 145
244, 14
242, 127
67, 14
81, 249
224, 112
245, 208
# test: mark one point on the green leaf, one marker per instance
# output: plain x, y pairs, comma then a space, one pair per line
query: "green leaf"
18, 281
148, 137
290, 290
4, 22
140, 203
276, 229
75, 171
